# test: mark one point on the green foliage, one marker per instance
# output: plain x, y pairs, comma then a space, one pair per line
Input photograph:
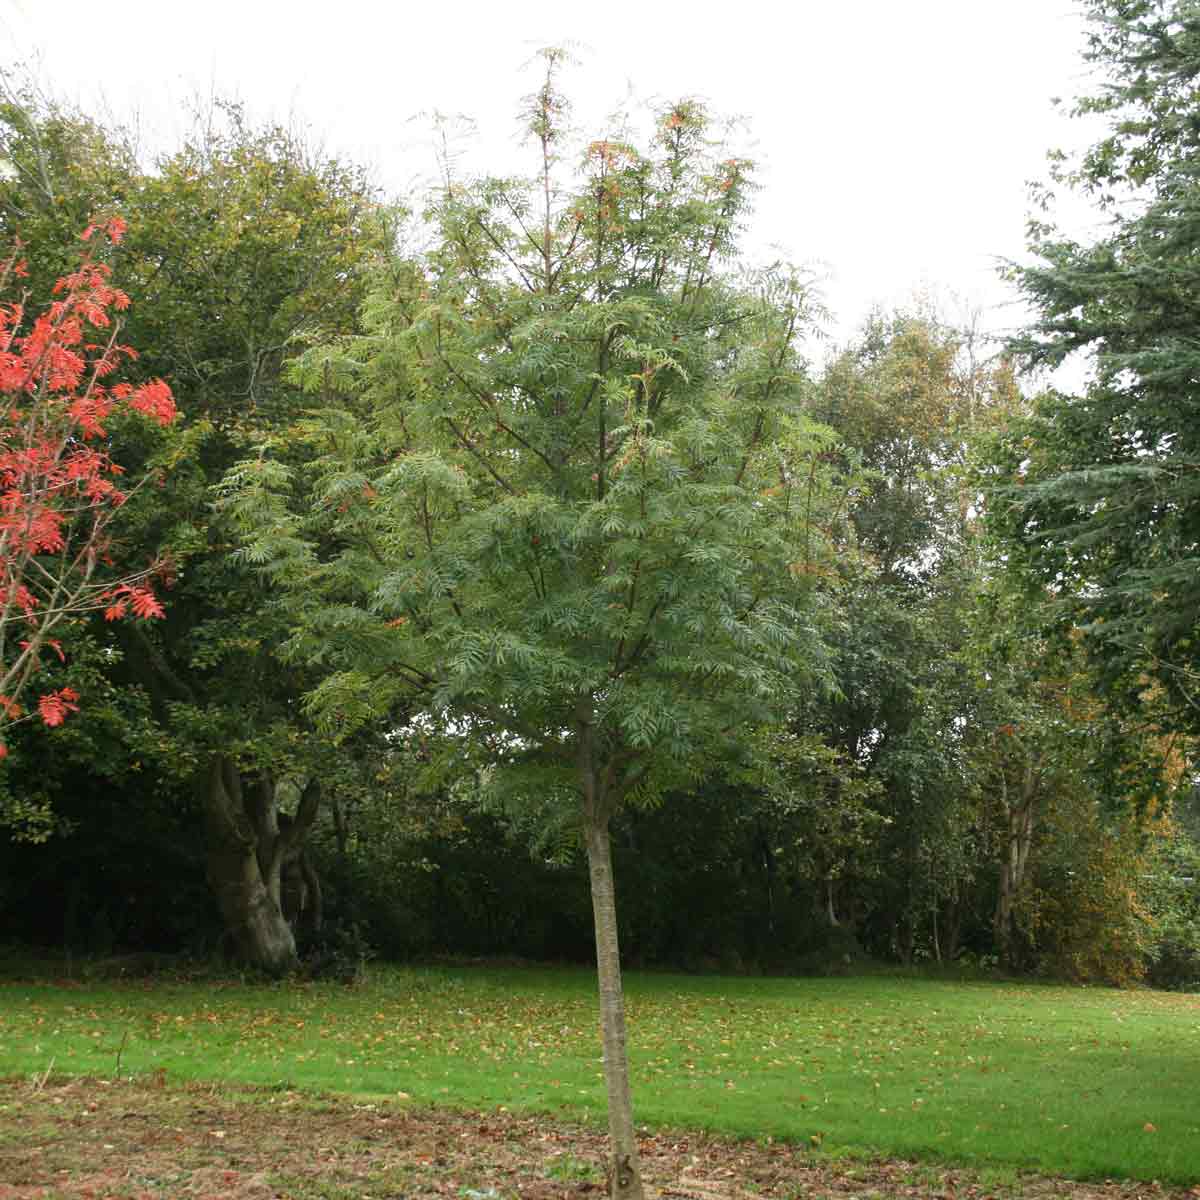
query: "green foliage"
246, 243
1172, 871
570, 494
1086, 913
1102, 503
63, 171
909, 399
910, 396
818, 818
556, 505
242, 244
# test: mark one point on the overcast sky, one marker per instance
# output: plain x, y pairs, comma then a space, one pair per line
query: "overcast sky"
895, 139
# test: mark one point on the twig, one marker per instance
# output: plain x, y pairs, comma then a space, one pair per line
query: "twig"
120, 1051
39, 1081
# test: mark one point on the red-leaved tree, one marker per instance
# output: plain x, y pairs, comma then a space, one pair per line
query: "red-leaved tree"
59, 487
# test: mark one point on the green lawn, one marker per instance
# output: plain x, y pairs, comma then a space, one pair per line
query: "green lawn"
1084, 1082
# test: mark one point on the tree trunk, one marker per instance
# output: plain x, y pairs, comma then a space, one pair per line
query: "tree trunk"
769, 865
953, 925
830, 909
624, 1167
1019, 815
246, 851
240, 831
908, 926
341, 829
314, 908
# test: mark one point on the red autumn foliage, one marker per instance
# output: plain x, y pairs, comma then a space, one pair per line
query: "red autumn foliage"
54, 706
59, 487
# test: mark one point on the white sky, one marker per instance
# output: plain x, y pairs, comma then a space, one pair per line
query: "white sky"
895, 137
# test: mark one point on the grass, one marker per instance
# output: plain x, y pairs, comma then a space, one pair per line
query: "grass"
1083, 1082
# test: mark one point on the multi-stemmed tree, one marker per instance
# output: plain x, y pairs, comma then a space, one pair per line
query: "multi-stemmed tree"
241, 243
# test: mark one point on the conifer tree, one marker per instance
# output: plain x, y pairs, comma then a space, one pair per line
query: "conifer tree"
1104, 506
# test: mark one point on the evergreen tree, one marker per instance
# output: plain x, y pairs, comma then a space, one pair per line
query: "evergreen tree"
1104, 502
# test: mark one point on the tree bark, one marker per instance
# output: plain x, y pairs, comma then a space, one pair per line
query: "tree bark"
830, 910
906, 938
1019, 815
249, 906
313, 914
952, 923
242, 831
625, 1174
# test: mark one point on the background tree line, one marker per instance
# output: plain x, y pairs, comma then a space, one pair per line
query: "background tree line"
951, 616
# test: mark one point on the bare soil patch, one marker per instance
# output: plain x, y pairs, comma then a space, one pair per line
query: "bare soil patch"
90, 1139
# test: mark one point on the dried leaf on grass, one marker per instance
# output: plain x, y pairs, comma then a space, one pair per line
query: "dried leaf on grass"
82, 1139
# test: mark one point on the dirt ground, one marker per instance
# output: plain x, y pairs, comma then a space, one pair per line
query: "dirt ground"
89, 1139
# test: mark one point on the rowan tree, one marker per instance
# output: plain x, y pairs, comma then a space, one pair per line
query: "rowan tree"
60, 487
562, 498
